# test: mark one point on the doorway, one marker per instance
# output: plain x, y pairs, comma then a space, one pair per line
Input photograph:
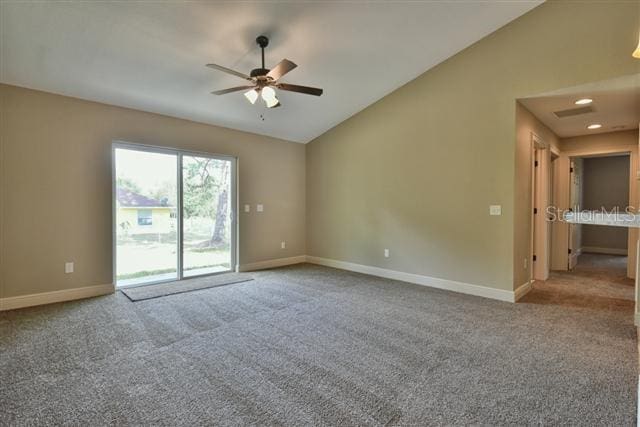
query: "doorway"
173, 214
603, 185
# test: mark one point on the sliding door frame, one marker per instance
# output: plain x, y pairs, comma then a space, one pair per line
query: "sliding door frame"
232, 204
117, 144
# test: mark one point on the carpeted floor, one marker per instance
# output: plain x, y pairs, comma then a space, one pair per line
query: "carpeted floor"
598, 282
311, 345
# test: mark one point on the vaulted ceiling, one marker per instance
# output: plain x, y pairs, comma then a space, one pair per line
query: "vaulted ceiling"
151, 55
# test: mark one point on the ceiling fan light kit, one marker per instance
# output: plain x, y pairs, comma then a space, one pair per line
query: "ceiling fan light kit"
263, 81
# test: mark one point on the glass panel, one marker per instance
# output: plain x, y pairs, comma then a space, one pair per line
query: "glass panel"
206, 201
146, 225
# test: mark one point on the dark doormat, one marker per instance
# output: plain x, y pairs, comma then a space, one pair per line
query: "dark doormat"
140, 293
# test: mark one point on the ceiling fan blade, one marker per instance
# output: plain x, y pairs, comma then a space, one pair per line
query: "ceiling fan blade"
281, 69
231, 89
229, 71
300, 89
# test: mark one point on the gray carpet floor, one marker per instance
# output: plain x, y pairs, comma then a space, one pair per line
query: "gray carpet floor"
308, 345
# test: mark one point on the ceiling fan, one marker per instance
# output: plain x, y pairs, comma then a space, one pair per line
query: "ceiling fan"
263, 81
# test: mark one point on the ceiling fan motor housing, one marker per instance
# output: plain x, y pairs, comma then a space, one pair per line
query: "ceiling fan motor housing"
258, 72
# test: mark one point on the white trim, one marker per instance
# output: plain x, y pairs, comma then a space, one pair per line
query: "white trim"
55, 296
433, 282
522, 290
636, 319
607, 251
272, 263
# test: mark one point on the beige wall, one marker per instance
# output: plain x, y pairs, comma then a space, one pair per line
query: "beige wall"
56, 186
416, 171
606, 184
600, 142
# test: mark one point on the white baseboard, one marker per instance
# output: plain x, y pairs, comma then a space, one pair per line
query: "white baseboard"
55, 296
272, 263
522, 290
433, 282
607, 251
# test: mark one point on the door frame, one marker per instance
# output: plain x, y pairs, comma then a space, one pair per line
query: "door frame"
179, 153
564, 199
540, 151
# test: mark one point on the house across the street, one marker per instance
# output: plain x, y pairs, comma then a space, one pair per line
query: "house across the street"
138, 214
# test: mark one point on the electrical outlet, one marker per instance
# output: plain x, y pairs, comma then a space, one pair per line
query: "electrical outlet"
68, 267
283, 245
259, 208
525, 263
386, 253
247, 208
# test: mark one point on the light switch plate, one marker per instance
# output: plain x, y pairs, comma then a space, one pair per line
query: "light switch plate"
68, 267
386, 253
259, 208
495, 210
247, 208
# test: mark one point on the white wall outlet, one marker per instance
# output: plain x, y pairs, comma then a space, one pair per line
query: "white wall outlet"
495, 210
259, 208
68, 267
386, 253
247, 208
283, 245
525, 263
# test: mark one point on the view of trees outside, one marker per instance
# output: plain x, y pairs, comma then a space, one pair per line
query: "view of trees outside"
146, 216
206, 189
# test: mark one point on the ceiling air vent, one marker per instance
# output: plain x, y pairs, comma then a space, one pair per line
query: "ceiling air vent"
574, 112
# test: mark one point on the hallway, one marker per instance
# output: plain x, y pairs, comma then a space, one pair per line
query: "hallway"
598, 282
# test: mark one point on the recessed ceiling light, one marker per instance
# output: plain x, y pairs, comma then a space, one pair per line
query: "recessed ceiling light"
584, 101
594, 126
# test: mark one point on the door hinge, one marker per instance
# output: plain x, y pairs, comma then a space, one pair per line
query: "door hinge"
569, 250
535, 163
534, 258
535, 211
570, 169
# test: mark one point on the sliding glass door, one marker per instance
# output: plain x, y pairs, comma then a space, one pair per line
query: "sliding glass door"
206, 207
146, 229
173, 214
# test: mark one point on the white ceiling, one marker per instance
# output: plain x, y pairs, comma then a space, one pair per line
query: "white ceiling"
616, 103
151, 55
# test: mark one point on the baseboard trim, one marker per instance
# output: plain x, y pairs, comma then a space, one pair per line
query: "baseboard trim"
433, 282
606, 251
31, 300
522, 290
272, 263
